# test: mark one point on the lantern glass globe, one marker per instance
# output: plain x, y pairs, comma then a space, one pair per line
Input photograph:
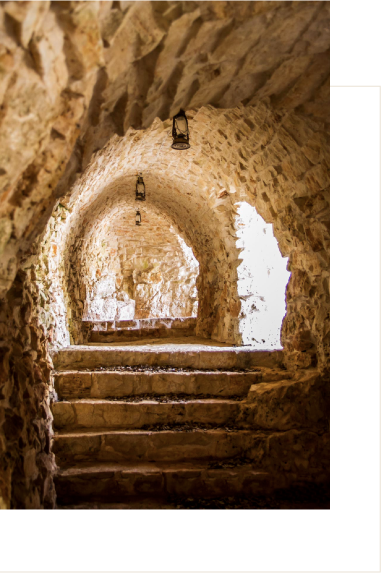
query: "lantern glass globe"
180, 131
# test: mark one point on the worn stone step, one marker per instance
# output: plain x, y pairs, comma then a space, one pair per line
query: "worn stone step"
204, 358
102, 384
151, 446
118, 483
125, 335
174, 324
95, 414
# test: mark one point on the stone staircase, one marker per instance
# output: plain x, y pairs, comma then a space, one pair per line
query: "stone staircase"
151, 424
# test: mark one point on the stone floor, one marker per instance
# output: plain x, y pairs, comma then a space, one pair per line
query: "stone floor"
134, 330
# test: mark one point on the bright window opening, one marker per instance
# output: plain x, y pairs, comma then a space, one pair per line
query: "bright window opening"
262, 281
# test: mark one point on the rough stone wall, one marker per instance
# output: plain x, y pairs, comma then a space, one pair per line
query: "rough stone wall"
51, 53
104, 296
194, 220
26, 460
50, 270
75, 73
94, 69
159, 270
137, 271
113, 267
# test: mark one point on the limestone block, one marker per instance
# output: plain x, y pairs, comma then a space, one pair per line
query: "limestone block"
149, 446
288, 403
25, 17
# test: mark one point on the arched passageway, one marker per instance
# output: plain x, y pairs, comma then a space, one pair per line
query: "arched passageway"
87, 93
134, 272
198, 193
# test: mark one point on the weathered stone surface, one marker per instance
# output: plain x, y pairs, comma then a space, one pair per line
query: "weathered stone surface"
79, 384
74, 384
66, 68
26, 461
95, 414
116, 446
176, 324
112, 449
178, 356
131, 271
293, 451
283, 150
302, 402
279, 181
124, 335
110, 482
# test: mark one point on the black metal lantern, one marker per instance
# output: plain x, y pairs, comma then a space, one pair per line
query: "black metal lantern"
140, 189
180, 131
138, 218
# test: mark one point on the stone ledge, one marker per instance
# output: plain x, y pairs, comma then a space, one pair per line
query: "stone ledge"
93, 414
174, 355
101, 384
118, 482
144, 445
286, 404
167, 322
133, 334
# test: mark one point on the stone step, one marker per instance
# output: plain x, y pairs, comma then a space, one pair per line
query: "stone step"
132, 446
174, 324
103, 384
202, 358
101, 414
126, 335
117, 483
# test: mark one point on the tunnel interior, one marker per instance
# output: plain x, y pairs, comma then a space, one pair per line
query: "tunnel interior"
234, 234
201, 250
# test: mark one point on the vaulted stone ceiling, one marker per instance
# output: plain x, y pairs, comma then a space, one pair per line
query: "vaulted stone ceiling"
73, 74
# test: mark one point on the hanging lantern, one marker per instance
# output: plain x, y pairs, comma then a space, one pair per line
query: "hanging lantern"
138, 218
180, 131
140, 189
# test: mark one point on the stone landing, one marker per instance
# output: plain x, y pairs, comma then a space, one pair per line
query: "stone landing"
141, 329
182, 352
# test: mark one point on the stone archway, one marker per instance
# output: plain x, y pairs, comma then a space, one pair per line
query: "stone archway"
281, 176
76, 74
272, 165
109, 269
137, 272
